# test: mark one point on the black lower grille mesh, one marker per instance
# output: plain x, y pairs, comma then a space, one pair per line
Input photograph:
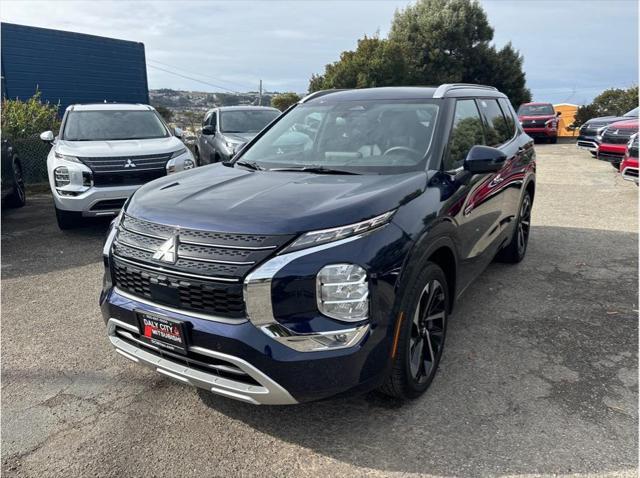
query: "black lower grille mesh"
184, 293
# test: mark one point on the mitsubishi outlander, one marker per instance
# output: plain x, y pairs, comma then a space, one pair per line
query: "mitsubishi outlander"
326, 257
105, 151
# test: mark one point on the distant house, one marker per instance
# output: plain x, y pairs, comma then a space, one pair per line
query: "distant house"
71, 67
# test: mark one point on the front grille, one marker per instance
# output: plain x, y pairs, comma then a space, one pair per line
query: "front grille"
206, 273
531, 124
183, 293
127, 170
617, 136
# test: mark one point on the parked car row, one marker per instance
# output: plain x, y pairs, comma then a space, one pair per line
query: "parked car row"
613, 139
106, 151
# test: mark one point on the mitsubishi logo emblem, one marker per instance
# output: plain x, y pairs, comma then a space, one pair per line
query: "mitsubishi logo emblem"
129, 164
167, 252
615, 132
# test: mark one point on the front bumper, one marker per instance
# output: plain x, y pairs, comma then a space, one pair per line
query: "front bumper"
541, 132
263, 392
95, 201
612, 153
290, 359
587, 142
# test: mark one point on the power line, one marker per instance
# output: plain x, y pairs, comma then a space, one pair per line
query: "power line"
186, 72
194, 79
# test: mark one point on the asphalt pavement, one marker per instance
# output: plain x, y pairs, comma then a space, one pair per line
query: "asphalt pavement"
539, 376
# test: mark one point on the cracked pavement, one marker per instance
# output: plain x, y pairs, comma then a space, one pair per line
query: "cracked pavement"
539, 376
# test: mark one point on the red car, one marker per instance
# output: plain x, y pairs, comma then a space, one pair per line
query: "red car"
629, 165
539, 120
613, 141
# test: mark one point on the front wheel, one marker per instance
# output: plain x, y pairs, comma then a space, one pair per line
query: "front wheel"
515, 251
553, 140
419, 338
68, 219
18, 197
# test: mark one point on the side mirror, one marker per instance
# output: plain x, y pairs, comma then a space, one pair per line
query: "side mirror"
178, 133
484, 159
209, 130
558, 113
47, 136
239, 148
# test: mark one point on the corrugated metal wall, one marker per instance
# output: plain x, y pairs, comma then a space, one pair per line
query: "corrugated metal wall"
71, 67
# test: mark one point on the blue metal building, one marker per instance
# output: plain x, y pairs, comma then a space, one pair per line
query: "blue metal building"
71, 67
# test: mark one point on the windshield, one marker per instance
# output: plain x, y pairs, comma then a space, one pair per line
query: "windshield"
113, 125
246, 121
381, 137
536, 110
633, 113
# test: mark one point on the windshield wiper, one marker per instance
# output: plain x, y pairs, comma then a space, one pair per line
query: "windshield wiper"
250, 164
316, 169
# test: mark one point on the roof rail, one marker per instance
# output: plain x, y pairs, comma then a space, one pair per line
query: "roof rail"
442, 90
318, 94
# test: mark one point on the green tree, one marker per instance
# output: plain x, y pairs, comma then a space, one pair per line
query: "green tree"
611, 102
24, 119
165, 112
431, 42
375, 62
283, 100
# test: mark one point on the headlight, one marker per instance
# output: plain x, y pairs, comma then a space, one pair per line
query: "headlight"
323, 236
179, 152
61, 176
342, 292
73, 159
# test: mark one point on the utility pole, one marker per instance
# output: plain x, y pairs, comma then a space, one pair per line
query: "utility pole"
260, 94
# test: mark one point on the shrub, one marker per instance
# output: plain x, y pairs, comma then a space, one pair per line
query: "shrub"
25, 119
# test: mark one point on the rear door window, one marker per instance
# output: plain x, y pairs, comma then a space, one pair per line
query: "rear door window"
467, 131
497, 129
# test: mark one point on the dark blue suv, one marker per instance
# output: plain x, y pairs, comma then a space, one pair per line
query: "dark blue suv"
327, 256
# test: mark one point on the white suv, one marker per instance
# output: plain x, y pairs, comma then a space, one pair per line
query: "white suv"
104, 153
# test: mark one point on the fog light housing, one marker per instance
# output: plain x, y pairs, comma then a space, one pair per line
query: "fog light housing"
188, 164
61, 176
342, 292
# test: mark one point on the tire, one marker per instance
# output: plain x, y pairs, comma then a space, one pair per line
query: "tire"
421, 334
215, 158
68, 219
196, 156
616, 165
18, 197
515, 251
553, 140
594, 155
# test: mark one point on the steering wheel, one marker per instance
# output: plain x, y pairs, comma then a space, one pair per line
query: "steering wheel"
415, 152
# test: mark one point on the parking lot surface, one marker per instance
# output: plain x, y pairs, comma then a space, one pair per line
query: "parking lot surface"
539, 375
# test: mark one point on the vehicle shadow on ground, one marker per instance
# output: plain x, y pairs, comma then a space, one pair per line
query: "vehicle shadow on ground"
539, 376
32, 243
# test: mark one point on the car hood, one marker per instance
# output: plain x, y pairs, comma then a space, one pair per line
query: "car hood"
128, 147
541, 118
605, 120
625, 124
225, 199
240, 137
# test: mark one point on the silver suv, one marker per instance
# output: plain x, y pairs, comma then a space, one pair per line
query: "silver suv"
104, 153
225, 130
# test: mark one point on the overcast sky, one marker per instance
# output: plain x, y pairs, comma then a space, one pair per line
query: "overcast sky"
572, 49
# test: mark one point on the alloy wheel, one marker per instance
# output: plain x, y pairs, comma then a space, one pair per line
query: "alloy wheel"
18, 181
524, 224
427, 331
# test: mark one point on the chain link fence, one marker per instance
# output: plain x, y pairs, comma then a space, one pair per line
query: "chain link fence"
33, 153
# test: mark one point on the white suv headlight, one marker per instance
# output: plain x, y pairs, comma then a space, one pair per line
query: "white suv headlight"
72, 159
342, 292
